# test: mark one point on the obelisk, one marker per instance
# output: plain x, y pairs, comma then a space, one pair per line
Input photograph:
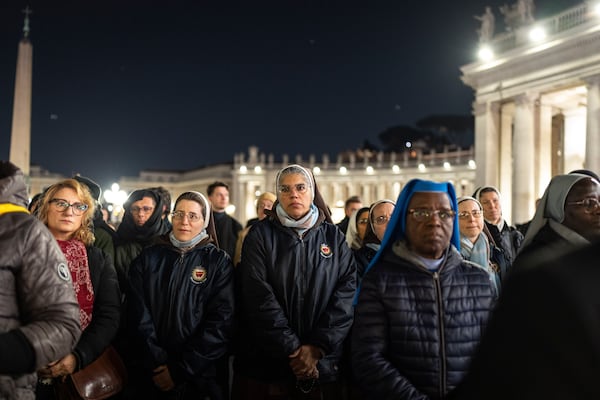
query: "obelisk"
20, 137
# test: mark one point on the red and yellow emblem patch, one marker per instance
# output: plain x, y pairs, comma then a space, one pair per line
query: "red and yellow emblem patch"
325, 250
198, 275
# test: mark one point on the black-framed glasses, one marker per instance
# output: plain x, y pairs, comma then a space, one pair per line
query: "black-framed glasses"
287, 189
468, 214
589, 205
62, 205
382, 219
192, 216
422, 214
137, 210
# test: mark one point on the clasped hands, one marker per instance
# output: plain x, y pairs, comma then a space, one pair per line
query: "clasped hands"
59, 368
304, 361
162, 378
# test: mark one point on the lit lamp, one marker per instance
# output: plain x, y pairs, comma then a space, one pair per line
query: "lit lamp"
115, 197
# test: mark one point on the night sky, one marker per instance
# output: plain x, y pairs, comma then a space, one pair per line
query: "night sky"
121, 86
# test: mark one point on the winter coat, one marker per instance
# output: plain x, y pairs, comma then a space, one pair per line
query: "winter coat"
39, 314
415, 330
293, 291
181, 309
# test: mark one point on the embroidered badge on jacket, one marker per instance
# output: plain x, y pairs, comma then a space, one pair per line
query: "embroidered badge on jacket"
325, 250
198, 275
63, 272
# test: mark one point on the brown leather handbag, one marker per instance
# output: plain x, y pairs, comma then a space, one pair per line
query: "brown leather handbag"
104, 377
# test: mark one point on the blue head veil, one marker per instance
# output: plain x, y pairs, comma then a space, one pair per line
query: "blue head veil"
396, 228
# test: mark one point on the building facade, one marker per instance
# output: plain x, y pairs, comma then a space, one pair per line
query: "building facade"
537, 105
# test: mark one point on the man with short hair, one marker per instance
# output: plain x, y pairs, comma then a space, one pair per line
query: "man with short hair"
501, 234
352, 204
226, 226
39, 314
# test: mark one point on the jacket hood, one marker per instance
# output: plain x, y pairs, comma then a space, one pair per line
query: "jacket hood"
14, 190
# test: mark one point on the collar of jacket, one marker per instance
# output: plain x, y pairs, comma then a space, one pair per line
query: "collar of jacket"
9, 207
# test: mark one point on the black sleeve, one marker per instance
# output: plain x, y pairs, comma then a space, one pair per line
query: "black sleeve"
16, 353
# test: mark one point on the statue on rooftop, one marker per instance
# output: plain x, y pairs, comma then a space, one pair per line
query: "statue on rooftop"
486, 31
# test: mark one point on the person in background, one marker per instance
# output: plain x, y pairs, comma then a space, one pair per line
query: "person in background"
357, 227
33, 204
39, 314
105, 235
165, 196
142, 223
542, 339
474, 244
505, 238
567, 217
352, 204
67, 209
181, 307
297, 279
378, 218
226, 226
264, 202
421, 308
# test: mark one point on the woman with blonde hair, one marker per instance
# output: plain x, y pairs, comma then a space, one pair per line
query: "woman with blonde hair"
67, 209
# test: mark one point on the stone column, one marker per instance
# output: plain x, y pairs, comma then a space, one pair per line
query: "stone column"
505, 154
575, 139
486, 143
592, 147
523, 150
544, 150
20, 139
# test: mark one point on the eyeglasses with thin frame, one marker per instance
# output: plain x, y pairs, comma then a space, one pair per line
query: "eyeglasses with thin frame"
137, 210
62, 205
301, 188
363, 221
381, 220
421, 214
192, 216
589, 205
468, 214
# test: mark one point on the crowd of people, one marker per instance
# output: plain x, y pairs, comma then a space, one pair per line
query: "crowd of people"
428, 296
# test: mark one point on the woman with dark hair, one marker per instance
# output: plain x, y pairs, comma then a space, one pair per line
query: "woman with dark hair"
67, 209
181, 307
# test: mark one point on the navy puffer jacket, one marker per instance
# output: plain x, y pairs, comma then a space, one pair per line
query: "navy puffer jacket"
415, 330
292, 291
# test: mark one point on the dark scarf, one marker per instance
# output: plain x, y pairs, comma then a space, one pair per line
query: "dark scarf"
129, 231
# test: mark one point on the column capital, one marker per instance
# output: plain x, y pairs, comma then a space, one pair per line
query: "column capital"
527, 98
480, 109
591, 80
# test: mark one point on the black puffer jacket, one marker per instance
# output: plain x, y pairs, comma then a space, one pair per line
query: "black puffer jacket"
181, 309
414, 330
293, 291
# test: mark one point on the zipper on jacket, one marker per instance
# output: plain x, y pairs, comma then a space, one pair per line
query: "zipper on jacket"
438, 295
303, 291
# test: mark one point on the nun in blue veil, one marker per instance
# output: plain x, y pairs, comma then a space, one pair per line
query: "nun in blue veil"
421, 308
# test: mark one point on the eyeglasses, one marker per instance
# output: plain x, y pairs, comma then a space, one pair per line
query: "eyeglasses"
63, 205
193, 217
299, 187
363, 221
137, 210
589, 205
467, 214
424, 215
382, 219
